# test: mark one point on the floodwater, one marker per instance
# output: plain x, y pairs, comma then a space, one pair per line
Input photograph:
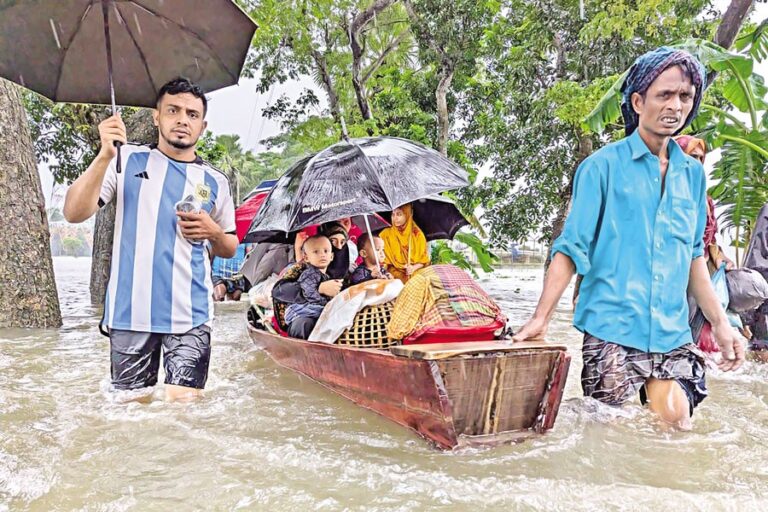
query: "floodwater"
264, 438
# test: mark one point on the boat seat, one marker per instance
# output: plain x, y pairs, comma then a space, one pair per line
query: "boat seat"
443, 334
446, 350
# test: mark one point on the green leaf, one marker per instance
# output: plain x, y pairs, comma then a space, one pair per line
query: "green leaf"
756, 40
717, 58
607, 110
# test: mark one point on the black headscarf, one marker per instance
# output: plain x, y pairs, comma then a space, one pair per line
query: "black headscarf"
339, 267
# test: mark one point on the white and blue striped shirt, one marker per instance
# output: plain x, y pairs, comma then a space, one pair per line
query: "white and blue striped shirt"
159, 282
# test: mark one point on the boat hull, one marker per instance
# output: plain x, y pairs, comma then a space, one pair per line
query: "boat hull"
470, 397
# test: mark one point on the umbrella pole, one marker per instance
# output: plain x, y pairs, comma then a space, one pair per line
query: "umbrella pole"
373, 243
105, 13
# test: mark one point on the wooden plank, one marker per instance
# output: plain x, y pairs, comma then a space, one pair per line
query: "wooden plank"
443, 350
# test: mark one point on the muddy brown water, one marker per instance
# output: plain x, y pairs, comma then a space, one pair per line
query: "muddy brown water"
264, 438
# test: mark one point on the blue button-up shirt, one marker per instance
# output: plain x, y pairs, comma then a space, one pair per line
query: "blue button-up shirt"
633, 241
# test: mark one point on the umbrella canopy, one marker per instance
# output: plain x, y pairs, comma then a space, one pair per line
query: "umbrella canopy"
59, 48
265, 185
437, 217
245, 213
353, 177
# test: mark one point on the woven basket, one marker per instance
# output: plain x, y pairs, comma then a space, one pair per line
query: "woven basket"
370, 328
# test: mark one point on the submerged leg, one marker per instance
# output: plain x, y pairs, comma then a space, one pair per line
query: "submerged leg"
668, 400
175, 393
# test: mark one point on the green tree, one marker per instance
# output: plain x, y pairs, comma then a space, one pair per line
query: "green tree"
546, 68
72, 246
244, 168
450, 35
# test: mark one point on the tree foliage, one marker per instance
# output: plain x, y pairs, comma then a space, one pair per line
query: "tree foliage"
546, 69
66, 135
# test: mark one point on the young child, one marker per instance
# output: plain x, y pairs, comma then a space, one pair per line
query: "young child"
368, 270
301, 317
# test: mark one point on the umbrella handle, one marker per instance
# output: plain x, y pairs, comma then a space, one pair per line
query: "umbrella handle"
118, 165
370, 238
108, 42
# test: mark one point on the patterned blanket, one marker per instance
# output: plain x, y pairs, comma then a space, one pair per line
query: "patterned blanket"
441, 295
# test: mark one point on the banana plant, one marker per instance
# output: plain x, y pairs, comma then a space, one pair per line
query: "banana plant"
735, 119
442, 252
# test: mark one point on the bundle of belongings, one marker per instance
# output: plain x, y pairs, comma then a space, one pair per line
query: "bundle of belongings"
442, 304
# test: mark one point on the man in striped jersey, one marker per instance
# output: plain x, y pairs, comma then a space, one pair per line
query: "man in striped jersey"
159, 293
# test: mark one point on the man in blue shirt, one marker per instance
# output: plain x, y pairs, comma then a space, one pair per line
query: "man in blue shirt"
635, 233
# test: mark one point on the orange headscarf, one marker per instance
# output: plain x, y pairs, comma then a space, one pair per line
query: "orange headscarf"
688, 143
405, 244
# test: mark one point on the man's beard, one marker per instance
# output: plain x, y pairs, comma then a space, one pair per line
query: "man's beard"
179, 144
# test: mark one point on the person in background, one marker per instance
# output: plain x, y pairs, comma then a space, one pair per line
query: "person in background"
405, 246
352, 230
228, 282
344, 252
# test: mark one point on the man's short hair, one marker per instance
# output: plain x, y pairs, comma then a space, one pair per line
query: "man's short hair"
181, 85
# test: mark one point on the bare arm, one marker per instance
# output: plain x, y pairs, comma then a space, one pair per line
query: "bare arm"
730, 341
560, 272
82, 198
224, 246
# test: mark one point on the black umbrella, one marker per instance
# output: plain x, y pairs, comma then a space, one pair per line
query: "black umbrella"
437, 216
354, 177
121, 51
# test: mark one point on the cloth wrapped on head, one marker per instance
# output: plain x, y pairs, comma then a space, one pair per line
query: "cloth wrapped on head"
688, 143
647, 68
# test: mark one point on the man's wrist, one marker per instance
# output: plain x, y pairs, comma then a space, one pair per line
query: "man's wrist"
721, 323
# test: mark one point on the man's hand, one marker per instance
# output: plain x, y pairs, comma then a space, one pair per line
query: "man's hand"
534, 329
199, 226
111, 129
731, 344
330, 288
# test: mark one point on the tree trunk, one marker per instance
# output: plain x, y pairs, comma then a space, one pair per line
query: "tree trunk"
330, 90
29, 297
584, 149
729, 27
140, 129
731, 23
359, 22
103, 234
443, 121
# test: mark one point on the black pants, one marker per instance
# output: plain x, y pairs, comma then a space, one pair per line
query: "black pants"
301, 327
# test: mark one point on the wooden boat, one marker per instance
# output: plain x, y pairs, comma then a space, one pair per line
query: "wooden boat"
454, 394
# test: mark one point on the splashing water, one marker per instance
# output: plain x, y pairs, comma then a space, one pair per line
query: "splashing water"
265, 438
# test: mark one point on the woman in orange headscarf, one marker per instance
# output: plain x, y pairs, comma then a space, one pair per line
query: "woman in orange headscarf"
405, 246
